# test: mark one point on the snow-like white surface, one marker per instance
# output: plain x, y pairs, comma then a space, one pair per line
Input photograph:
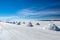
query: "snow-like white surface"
21, 32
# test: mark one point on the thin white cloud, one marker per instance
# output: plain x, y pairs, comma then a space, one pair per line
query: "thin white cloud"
27, 12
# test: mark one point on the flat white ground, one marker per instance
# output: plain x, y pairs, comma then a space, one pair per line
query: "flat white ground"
15, 32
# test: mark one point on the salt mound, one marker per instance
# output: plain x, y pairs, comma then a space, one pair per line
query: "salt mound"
51, 27
54, 27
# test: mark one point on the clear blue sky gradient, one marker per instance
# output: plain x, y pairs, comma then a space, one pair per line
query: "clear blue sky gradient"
10, 7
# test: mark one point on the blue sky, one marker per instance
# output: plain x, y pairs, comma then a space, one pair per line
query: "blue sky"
30, 9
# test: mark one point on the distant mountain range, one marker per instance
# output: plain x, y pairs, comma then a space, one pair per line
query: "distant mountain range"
50, 20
